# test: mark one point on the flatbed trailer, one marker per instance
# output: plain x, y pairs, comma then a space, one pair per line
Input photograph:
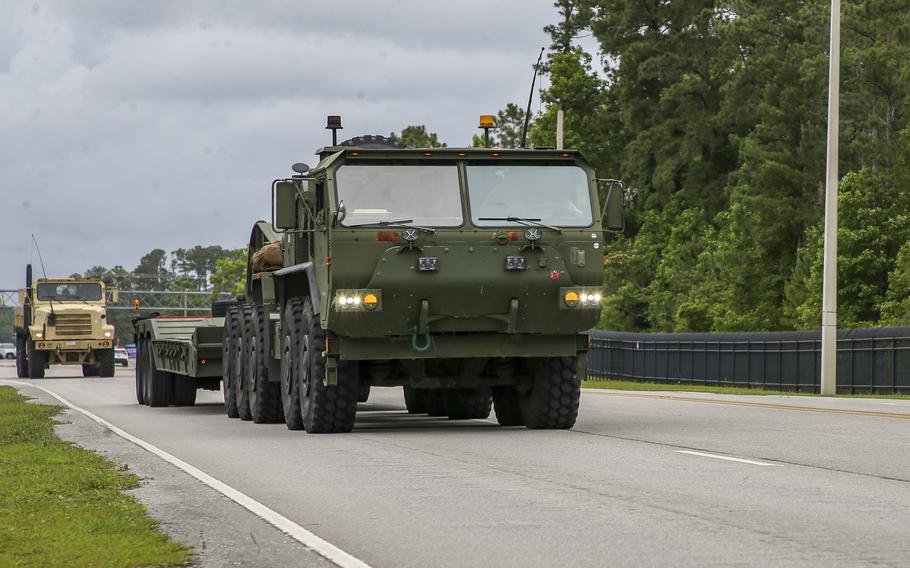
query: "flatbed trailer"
176, 356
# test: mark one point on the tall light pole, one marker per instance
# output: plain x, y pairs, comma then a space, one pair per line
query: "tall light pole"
829, 287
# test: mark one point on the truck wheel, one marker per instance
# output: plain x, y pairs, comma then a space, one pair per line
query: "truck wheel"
291, 332
228, 357
552, 402
413, 400
434, 401
106, 363
184, 393
21, 358
264, 395
364, 393
462, 404
241, 367
324, 408
36, 361
506, 406
89, 370
160, 383
140, 369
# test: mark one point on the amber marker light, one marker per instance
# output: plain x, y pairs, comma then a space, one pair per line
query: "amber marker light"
565, 155
428, 154
494, 154
370, 300
203, 362
461, 154
486, 121
571, 298
355, 153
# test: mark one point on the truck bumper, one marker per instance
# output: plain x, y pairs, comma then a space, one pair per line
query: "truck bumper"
457, 346
73, 344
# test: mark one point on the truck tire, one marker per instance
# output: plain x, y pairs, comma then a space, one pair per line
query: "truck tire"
364, 393
21, 357
140, 369
507, 407
413, 400
160, 383
241, 366
221, 307
228, 359
89, 370
264, 395
184, 393
552, 402
291, 334
434, 402
36, 361
324, 408
464, 404
106, 363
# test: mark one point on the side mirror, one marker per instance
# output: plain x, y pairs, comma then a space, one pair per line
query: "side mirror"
115, 295
612, 214
284, 204
340, 213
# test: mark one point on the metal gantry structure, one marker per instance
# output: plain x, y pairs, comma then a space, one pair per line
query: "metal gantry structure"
185, 302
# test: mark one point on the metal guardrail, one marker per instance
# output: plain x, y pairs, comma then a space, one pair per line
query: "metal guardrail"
868, 360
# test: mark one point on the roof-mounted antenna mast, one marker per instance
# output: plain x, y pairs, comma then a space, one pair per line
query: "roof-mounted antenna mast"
40, 258
524, 131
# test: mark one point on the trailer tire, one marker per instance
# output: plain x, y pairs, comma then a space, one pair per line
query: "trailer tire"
184, 393
264, 395
507, 407
140, 369
414, 400
106, 363
37, 361
363, 394
228, 359
324, 408
464, 404
89, 370
552, 402
291, 332
434, 401
21, 357
241, 367
160, 383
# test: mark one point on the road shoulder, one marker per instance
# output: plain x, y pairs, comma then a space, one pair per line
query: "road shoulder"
222, 532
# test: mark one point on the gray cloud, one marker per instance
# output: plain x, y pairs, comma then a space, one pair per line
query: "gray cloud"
129, 125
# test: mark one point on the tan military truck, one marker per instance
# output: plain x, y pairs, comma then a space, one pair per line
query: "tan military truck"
63, 321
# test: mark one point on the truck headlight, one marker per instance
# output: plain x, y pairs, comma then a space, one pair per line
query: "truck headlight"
358, 300
107, 334
580, 298
39, 335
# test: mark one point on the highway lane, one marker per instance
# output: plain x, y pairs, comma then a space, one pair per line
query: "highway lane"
825, 489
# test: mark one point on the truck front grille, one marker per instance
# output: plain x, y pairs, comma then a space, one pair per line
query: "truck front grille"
73, 325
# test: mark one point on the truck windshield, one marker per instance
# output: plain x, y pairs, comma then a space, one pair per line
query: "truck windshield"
69, 291
425, 195
556, 195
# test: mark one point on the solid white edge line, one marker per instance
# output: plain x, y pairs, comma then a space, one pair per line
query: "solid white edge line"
728, 458
279, 521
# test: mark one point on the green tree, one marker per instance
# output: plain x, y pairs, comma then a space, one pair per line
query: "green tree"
230, 273
416, 136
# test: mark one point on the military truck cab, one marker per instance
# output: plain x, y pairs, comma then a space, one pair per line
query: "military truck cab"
464, 275
63, 321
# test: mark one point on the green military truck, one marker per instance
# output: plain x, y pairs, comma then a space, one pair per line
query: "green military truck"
63, 321
467, 276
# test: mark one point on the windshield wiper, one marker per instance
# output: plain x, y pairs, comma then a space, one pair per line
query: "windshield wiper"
526, 221
405, 223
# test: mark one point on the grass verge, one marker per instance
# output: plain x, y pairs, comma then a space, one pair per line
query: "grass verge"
636, 386
62, 505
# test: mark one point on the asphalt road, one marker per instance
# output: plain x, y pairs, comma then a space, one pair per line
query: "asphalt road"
640, 481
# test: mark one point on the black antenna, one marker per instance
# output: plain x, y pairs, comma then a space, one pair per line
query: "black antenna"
524, 131
40, 258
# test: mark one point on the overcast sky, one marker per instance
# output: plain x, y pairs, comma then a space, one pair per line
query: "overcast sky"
129, 125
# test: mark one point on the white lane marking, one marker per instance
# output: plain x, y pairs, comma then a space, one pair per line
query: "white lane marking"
728, 458
279, 521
